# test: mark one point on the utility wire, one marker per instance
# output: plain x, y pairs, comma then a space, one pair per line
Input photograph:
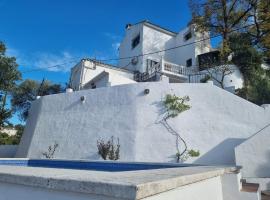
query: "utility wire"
176, 47
53, 66
145, 54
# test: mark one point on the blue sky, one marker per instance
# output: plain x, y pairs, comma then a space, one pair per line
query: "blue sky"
43, 33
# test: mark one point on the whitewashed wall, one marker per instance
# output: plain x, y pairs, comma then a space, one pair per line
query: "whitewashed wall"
232, 188
217, 122
16, 191
125, 48
154, 40
87, 71
8, 151
209, 189
181, 55
254, 155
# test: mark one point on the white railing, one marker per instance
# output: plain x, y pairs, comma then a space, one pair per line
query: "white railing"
177, 69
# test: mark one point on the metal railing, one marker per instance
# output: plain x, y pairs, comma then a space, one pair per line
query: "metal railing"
178, 69
198, 78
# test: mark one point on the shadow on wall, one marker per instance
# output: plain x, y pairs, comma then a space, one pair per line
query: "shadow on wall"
221, 154
263, 170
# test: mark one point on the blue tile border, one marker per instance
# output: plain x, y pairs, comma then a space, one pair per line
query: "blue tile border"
89, 165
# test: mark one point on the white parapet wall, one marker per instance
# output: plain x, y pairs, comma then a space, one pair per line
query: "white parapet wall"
89, 73
254, 155
217, 122
8, 151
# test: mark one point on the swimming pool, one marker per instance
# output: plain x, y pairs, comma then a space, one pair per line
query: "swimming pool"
108, 180
89, 165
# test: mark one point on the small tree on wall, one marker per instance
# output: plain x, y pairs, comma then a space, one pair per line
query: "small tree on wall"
109, 150
175, 105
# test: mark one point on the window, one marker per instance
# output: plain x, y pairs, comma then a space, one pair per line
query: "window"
135, 41
93, 86
189, 62
188, 36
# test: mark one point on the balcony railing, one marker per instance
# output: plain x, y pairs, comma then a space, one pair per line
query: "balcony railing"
154, 68
178, 69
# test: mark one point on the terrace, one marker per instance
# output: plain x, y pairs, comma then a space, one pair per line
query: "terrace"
63, 179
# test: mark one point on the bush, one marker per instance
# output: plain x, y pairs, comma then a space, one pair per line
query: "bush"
108, 150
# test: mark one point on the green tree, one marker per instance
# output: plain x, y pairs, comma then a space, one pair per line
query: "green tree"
249, 59
260, 31
9, 74
220, 17
27, 91
259, 91
245, 56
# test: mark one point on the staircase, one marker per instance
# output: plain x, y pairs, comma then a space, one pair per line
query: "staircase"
235, 188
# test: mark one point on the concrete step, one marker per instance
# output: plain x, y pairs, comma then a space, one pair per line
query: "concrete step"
266, 195
249, 187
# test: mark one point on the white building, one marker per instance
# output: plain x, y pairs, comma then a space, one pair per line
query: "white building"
90, 74
149, 51
9, 131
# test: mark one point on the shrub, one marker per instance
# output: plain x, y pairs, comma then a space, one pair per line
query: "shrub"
51, 150
108, 150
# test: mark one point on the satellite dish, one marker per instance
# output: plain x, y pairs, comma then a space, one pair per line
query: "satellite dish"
134, 60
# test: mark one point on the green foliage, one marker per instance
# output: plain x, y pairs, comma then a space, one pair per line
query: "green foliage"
259, 91
9, 74
27, 91
220, 17
248, 59
175, 105
108, 150
187, 154
5, 139
260, 32
245, 56
193, 153
248, 44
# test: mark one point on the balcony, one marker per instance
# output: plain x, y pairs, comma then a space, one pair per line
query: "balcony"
177, 73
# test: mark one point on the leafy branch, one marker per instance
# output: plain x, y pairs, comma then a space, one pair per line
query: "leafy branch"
175, 105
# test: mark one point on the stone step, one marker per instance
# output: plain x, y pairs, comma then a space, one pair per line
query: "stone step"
265, 197
249, 187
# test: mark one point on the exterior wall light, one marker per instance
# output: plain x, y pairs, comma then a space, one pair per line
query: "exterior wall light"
146, 91
82, 99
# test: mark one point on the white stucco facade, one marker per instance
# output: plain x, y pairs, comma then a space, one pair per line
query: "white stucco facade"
154, 38
254, 155
91, 74
191, 183
8, 151
144, 50
214, 126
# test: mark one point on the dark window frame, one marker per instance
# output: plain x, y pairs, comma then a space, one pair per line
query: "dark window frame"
189, 62
187, 36
135, 41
